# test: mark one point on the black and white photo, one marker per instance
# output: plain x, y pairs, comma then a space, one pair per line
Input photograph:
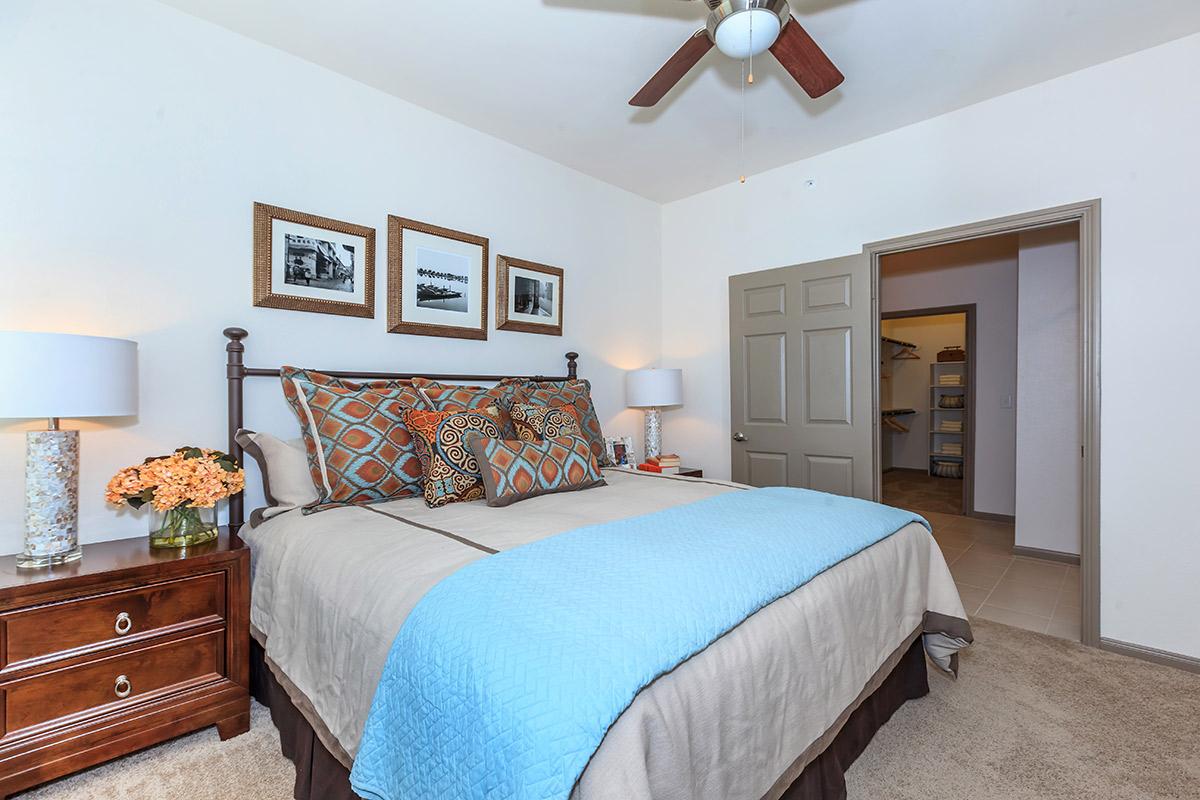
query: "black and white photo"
303, 262
529, 296
443, 280
437, 280
316, 262
533, 297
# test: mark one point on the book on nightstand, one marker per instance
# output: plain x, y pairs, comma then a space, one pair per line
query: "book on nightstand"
665, 464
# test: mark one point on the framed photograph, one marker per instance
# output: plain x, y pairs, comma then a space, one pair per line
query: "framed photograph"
620, 451
437, 281
529, 297
303, 262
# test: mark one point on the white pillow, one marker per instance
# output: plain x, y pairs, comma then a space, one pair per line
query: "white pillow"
287, 482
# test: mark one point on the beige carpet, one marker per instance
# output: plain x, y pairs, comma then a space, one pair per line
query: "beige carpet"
1031, 717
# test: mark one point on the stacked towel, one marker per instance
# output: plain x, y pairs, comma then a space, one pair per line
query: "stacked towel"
952, 449
951, 426
950, 380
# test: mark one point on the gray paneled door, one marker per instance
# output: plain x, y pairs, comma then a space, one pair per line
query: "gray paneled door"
800, 376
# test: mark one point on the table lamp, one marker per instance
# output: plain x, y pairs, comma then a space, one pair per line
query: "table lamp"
53, 375
652, 389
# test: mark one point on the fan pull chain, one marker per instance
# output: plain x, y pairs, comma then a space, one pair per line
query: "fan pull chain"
751, 79
742, 140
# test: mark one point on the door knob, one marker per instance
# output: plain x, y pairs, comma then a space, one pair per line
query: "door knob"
739, 437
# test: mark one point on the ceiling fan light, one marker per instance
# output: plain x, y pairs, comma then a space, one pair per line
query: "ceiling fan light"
747, 33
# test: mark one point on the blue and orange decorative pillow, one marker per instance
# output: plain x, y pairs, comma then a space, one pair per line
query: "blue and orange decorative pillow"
575, 393
450, 468
513, 471
452, 397
535, 423
358, 449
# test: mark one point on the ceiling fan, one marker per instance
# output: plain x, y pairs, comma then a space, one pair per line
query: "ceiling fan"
742, 29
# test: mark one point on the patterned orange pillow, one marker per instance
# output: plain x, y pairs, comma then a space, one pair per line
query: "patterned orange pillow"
535, 423
358, 449
517, 470
451, 397
450, 469
575, 393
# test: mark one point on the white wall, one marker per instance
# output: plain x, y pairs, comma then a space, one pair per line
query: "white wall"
908, 385
1126, 132
134, 140
983, 273
1049, 485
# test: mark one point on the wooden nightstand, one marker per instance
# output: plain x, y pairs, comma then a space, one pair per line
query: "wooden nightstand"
690, 472
123, 649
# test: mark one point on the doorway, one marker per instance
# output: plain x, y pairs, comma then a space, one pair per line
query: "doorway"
986, 527
1016, 384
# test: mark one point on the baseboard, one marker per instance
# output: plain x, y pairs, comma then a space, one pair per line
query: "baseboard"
1151, 654
1046, 555
1009, 518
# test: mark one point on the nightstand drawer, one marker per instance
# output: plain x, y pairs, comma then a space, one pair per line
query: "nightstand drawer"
65, 627
77, 692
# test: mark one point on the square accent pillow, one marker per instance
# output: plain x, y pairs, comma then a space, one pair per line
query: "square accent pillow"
575, 393
451, 397
359, 450
450, 468
513, 471
535, 423
284, 468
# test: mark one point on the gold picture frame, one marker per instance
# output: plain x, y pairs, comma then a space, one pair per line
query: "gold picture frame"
285, 277
445, 292
524, 311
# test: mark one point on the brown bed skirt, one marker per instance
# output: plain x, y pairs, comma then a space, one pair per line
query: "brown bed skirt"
320, 776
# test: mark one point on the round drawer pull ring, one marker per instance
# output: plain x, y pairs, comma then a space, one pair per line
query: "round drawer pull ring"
123, 687
124, 624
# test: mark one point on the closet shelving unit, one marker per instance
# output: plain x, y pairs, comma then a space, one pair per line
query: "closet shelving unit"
948, 426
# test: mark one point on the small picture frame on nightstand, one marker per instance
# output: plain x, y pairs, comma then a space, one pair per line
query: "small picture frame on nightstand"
619, 450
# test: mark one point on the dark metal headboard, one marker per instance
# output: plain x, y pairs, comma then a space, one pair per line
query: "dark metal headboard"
236, 373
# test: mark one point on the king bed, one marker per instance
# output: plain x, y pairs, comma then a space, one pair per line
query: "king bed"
372, 623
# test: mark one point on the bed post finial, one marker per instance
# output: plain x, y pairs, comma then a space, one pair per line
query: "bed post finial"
572, 367
235, 373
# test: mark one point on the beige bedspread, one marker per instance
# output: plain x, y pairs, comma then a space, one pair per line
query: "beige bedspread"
331, 590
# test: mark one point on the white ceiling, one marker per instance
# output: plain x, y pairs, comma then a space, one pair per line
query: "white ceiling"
555, 76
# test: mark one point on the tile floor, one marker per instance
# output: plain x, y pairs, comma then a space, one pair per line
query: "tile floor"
1028, 593
910, 488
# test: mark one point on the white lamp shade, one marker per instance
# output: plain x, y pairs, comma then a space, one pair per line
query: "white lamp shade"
654, 388
63, 375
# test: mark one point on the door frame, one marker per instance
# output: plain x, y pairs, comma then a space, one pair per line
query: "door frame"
968, 489
1087, 214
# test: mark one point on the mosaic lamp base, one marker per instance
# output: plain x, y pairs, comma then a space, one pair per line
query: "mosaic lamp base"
51, 499
653, 433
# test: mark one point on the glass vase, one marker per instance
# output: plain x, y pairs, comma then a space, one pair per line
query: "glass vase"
182, 526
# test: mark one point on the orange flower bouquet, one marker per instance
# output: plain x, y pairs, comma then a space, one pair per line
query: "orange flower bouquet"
182, 490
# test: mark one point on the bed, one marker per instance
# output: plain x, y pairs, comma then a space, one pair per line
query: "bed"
778, 706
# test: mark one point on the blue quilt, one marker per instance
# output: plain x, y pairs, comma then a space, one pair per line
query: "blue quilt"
506, 676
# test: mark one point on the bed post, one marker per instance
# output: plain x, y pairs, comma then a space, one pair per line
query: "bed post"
235, 373
572, 367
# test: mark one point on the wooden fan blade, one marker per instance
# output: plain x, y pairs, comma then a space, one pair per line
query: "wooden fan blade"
805, 61
673, 71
